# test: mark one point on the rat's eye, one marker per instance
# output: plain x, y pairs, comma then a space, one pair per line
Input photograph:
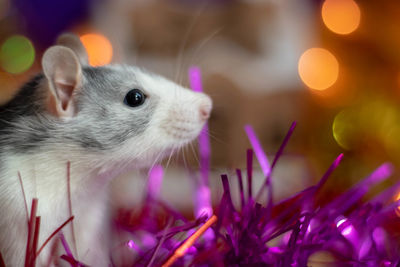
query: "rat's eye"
134, 98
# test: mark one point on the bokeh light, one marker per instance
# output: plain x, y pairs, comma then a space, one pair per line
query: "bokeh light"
374, 122
341, 16
340, 129
318, 68
99, 49
17, 54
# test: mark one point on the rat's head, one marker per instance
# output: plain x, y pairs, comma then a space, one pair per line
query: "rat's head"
118, 113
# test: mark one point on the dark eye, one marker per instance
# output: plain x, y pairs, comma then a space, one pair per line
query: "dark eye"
134, 98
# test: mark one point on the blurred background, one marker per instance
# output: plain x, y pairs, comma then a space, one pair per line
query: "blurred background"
333, 66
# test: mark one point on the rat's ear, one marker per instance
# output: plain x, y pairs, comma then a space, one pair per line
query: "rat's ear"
64, 74
74, 43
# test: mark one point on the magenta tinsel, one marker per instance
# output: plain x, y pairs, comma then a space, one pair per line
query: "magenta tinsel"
355, 233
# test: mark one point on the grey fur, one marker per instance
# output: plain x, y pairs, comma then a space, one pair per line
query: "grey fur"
102, 122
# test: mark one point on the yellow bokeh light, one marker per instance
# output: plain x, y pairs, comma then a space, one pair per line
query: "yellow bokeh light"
341, 128
99, 49
374, 122
318, 68
341, 16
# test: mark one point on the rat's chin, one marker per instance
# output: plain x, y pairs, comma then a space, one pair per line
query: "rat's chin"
166, 152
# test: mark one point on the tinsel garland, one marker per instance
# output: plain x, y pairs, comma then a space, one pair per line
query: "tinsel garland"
288, 233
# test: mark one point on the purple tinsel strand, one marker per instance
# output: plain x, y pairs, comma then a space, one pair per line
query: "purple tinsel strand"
195, 79
283, 145
204, 147
185, 227
203, 201
325, 177
227, 191
204, 141
65, 245
69, 257
346, 200
267, 182
241, 190
160, 242
260, 154
203, 194
155, 181
250, 173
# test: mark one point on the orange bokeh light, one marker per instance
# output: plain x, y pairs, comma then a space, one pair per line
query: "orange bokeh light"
99, 49
318, 68
341, 16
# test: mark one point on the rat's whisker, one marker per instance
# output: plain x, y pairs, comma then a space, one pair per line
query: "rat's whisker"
157, 158
194, 153
215, 138
179, 61
184, 157
194, 59
169, 158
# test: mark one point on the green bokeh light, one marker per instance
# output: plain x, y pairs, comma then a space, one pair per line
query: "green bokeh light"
17, 54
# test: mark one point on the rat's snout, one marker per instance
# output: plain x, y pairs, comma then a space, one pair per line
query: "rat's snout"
205, 107
187, 116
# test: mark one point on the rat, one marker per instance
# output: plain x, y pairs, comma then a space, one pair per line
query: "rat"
104, 121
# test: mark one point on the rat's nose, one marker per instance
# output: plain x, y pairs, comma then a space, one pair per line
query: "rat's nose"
205, 108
